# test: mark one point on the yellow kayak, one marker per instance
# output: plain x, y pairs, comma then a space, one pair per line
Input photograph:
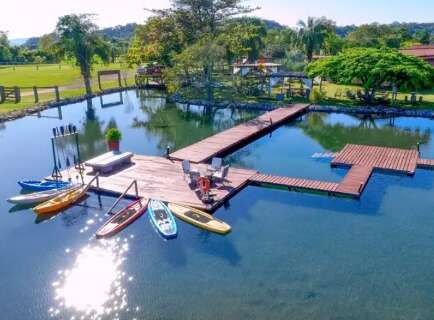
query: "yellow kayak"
199, 219
61, 201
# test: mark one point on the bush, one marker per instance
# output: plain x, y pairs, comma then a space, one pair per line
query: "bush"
113, 134
317, 95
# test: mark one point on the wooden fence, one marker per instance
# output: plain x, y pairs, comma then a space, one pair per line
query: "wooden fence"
11, 94
14, 94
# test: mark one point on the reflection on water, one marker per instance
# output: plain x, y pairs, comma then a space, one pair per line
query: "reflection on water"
93, 286
334, 131
290, 255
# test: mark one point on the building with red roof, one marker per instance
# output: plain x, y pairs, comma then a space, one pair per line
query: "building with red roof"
425, 52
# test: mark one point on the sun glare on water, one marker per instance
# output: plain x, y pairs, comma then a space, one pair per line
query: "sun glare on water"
93, 286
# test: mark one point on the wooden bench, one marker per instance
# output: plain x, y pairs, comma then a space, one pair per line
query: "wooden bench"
109, 161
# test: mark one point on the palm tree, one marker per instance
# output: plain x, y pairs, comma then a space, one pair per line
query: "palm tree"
78, 38
311, 34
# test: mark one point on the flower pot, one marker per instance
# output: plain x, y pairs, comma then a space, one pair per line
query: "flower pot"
113, 145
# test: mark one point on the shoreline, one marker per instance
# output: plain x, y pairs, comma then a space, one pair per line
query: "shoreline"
17, 114
266, 106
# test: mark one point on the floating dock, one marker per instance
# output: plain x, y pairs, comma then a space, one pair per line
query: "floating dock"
390, 159
361, 160
163, 178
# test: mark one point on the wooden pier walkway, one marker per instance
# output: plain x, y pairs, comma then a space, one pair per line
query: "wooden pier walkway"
221, 142
352, 185
355, 181
295, 183
362, 161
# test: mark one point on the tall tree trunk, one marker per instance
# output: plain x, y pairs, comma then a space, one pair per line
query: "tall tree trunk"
209, 87
309, 55
87, 84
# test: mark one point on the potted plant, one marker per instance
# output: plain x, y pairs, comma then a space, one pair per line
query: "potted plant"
113, 137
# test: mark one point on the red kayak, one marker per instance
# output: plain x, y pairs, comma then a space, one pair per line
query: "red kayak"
122, 219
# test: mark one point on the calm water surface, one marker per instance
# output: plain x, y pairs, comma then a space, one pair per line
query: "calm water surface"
290, 256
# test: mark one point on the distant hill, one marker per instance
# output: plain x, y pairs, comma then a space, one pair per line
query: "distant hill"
32, 43
18, 41
124, 32
412, 27
271, 24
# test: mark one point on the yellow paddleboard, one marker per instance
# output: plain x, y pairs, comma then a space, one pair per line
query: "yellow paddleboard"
61, 201
199, 218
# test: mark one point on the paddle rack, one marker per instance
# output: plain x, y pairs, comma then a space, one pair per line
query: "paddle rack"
60, 134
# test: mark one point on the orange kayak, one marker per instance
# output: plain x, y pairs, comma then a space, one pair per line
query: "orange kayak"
61, 201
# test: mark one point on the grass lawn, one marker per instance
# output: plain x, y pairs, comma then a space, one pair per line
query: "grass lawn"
331, 88
66, 76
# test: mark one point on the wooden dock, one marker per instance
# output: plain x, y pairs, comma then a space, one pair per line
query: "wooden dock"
355, 181
362, 161
163, 179
220, 143
391, 159
352, 185
296, 183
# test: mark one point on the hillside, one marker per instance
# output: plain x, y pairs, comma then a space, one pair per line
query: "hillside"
412, 27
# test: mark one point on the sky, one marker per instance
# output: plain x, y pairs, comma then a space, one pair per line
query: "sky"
27, 18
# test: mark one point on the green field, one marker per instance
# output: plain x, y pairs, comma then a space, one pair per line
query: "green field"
331, 88
70, 83
66, 76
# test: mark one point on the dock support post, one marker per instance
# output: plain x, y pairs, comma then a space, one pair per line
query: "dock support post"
2, 94
17, 94
56, 91
35, 93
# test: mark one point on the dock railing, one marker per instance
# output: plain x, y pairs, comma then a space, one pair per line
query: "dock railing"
136, 189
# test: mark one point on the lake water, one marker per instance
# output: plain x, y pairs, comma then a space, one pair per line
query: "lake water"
290, 255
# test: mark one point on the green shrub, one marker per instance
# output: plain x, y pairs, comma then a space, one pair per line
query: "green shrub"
317, 95
113, 134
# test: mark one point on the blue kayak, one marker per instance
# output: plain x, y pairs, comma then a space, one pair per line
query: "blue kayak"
162, 219
42, 185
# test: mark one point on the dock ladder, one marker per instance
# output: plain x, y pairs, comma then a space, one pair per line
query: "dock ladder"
136, 189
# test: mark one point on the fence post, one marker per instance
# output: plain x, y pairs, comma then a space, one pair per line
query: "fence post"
56, 91
35, 93
17, 94
2, 94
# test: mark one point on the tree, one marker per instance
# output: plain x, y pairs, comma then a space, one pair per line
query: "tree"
48, 47
242, 38
423, 36
5, 52
312, 34
159, 40
374, 67
278, 41
376, 35
78, 38
203, 19
190, 66
333, 44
